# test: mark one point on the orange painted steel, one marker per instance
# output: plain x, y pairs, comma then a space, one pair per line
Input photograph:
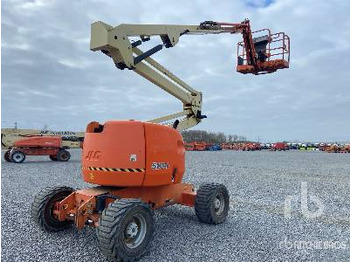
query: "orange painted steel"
274, 56
267, 67
197, 146
39, 141
128, 159
80, 206
200, 146
38, 145
138, 155
246, 146
112, 147
165, 158
337, 148
189, 146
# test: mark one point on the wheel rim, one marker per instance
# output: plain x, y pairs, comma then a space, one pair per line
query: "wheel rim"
18, 157
219, 204
64, 156
135, 231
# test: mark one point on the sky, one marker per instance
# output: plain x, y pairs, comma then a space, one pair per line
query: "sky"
51, 78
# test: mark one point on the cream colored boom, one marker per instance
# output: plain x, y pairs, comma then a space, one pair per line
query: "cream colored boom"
115, 42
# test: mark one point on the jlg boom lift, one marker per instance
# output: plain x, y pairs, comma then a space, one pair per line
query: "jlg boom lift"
138, 166
37, 146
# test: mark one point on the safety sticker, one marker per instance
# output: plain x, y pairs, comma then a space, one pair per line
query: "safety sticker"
110, 169
133, 158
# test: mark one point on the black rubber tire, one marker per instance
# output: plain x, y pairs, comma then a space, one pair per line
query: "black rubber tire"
7, 156
112, 227
14, 157
205, 203
63, 155
53, 158
41, 209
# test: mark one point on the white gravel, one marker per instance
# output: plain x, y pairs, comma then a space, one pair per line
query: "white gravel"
256, 229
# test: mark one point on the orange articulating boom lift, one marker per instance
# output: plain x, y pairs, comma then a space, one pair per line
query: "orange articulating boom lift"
139, 166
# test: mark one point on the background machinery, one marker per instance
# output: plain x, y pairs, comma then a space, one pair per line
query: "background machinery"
35, 146
335, 148
138, 166
69, 139
279, 146
202, 146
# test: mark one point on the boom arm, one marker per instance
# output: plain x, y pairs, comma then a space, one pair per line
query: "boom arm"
115, 42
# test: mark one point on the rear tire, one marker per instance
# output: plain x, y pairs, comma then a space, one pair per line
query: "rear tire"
63, 155
212, 203
7, 156
125, 230
42, 207
17, 157
53, 158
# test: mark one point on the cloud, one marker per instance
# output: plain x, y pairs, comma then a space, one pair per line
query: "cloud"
49, 75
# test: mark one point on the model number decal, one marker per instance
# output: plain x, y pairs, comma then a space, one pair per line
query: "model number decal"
159, 165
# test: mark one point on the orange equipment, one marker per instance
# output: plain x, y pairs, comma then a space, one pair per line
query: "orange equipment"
246, 146
139, 166
227, 146
250, 146
332, 148
37, 145
337, 148
189, 146
264, 53
200, 146
197, 146
347, 148
279, 146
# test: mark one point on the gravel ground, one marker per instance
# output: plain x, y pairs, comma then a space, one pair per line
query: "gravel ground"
256, 228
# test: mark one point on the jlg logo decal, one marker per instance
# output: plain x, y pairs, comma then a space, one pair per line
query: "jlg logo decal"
159, 165
93, 155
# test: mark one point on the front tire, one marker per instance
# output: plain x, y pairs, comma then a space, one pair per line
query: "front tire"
63, 155
212, 203
43, 205
125, 230
17, 157
7, 156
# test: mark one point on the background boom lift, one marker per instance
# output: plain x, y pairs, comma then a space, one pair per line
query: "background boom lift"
139, 166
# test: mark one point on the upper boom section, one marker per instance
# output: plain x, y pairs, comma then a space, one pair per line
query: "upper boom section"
104, 36
255, 55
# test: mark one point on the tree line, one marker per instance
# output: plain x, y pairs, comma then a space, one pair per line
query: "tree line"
210, 137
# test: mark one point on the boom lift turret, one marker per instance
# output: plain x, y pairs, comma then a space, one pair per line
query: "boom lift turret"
139, 165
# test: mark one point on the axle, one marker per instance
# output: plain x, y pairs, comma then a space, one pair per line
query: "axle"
85, 206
